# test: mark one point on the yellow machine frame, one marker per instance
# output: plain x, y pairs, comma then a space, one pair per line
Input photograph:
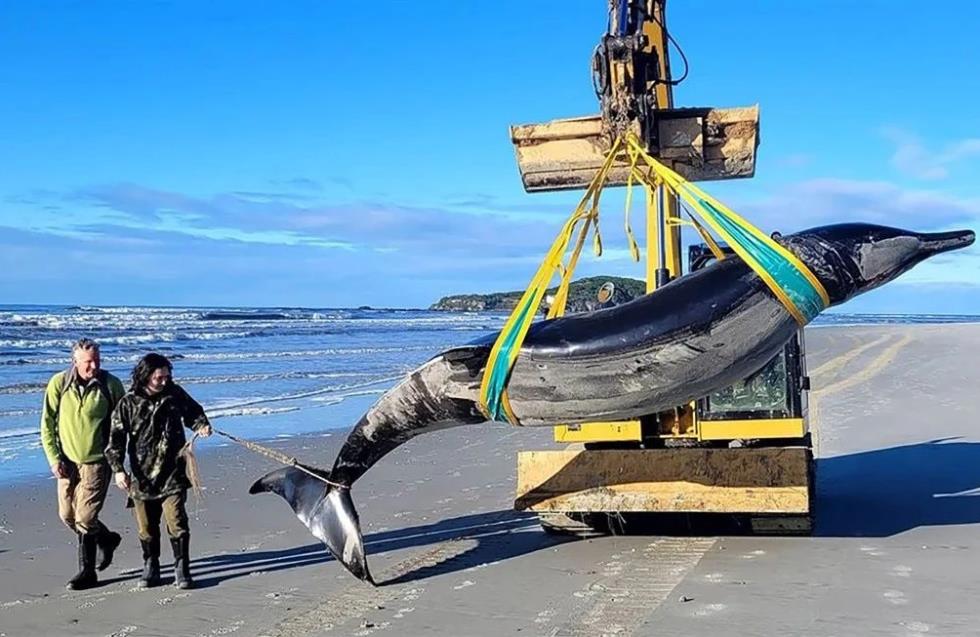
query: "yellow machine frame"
760, 481
701, 430
685, 423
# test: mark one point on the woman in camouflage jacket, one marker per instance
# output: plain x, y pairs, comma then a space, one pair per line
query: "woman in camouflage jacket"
148, 425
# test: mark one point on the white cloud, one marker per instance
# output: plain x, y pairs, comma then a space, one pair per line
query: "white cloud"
794, 160
961, 267
912, 158
478, 246
823, 201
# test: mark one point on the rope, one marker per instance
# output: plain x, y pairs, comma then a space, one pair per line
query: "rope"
193, 473
272, 454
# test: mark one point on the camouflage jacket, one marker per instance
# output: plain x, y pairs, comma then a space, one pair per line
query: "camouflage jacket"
150, 429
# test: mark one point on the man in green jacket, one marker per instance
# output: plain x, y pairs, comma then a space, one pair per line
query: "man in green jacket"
75, 420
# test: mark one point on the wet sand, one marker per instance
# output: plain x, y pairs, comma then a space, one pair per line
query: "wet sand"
897, 433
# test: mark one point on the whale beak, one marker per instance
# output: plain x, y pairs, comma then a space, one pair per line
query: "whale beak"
936, 242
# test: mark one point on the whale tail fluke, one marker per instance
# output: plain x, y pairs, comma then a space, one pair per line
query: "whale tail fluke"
327, 511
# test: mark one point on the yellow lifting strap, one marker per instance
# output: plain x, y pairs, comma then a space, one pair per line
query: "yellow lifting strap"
704, 234
789, 279
493, 389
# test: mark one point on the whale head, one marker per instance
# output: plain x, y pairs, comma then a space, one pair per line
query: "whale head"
852, 258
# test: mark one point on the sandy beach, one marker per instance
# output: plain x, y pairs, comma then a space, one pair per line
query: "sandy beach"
897, 434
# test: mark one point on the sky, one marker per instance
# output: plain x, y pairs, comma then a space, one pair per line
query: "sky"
330, 154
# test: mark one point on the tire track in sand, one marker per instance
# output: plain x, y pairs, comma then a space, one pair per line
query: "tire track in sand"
631, 589
870, 371
399, 587
361, 600
840, 361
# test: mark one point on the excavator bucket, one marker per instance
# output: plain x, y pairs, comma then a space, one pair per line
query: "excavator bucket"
699, 143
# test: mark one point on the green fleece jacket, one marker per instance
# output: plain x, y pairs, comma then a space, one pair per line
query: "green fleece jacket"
75, 426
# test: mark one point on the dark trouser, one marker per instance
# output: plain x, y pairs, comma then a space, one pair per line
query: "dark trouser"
171, 508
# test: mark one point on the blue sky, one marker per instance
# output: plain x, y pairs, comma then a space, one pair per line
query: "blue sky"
341, 153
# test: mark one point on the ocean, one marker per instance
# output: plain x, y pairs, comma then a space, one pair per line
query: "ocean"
260, 373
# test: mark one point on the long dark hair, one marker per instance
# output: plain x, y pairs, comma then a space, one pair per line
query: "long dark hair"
145, 368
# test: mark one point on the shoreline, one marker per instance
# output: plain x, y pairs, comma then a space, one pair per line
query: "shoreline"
30, 463
898, 466
203, 448
25, 461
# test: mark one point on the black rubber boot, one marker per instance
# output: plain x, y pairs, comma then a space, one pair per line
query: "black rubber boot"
108, 543
151, 563
86, 577
182, 562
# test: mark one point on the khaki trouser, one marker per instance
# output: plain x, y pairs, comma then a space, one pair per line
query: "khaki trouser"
81, 495
148, 513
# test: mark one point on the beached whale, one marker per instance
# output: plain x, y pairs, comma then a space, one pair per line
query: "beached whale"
693, 336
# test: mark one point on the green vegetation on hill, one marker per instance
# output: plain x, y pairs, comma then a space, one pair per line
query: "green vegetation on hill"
582, 296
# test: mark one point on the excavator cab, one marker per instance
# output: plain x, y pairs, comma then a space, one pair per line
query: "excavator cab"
775, 392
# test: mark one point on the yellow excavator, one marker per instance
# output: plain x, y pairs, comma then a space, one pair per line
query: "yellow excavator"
743, 452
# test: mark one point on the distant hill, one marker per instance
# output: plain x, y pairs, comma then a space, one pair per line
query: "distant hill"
581, 296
